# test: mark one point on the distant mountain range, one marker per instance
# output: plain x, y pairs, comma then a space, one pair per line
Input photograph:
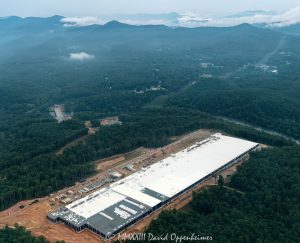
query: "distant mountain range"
258, 18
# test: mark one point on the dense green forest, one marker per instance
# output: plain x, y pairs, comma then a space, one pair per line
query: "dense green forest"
259, 204
20, 235
40, 175
160, 81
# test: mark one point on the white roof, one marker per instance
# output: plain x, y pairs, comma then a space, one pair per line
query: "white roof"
169, 176
137, 195
95, 202
186, 167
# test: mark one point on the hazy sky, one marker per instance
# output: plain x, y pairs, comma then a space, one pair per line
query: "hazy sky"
109, 7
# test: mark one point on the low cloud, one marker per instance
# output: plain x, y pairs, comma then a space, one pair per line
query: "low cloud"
81, 21
89, 20
192, 20
287, 18
269, 18
146, 22
81, 56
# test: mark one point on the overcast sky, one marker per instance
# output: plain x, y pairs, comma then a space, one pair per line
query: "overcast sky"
70, 8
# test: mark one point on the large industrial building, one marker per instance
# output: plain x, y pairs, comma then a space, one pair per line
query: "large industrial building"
114, 208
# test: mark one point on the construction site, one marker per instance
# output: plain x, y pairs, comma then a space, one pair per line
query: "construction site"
130, 190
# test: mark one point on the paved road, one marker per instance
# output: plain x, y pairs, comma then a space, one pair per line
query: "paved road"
280, 44
263, 60
261, 129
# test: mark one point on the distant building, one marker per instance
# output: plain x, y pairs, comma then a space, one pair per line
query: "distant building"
110, 121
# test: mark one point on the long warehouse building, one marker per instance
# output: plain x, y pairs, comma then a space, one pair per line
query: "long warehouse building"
112, 209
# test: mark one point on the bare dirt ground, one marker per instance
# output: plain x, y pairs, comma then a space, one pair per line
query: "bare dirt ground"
34, 219
33, 216
14, 209
107, 164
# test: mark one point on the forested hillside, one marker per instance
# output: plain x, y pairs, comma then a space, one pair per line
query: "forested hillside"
40, 175
160, 81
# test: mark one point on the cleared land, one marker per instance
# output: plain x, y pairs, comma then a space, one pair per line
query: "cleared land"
33, 215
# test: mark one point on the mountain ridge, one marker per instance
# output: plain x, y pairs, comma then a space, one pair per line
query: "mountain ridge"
57, 21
